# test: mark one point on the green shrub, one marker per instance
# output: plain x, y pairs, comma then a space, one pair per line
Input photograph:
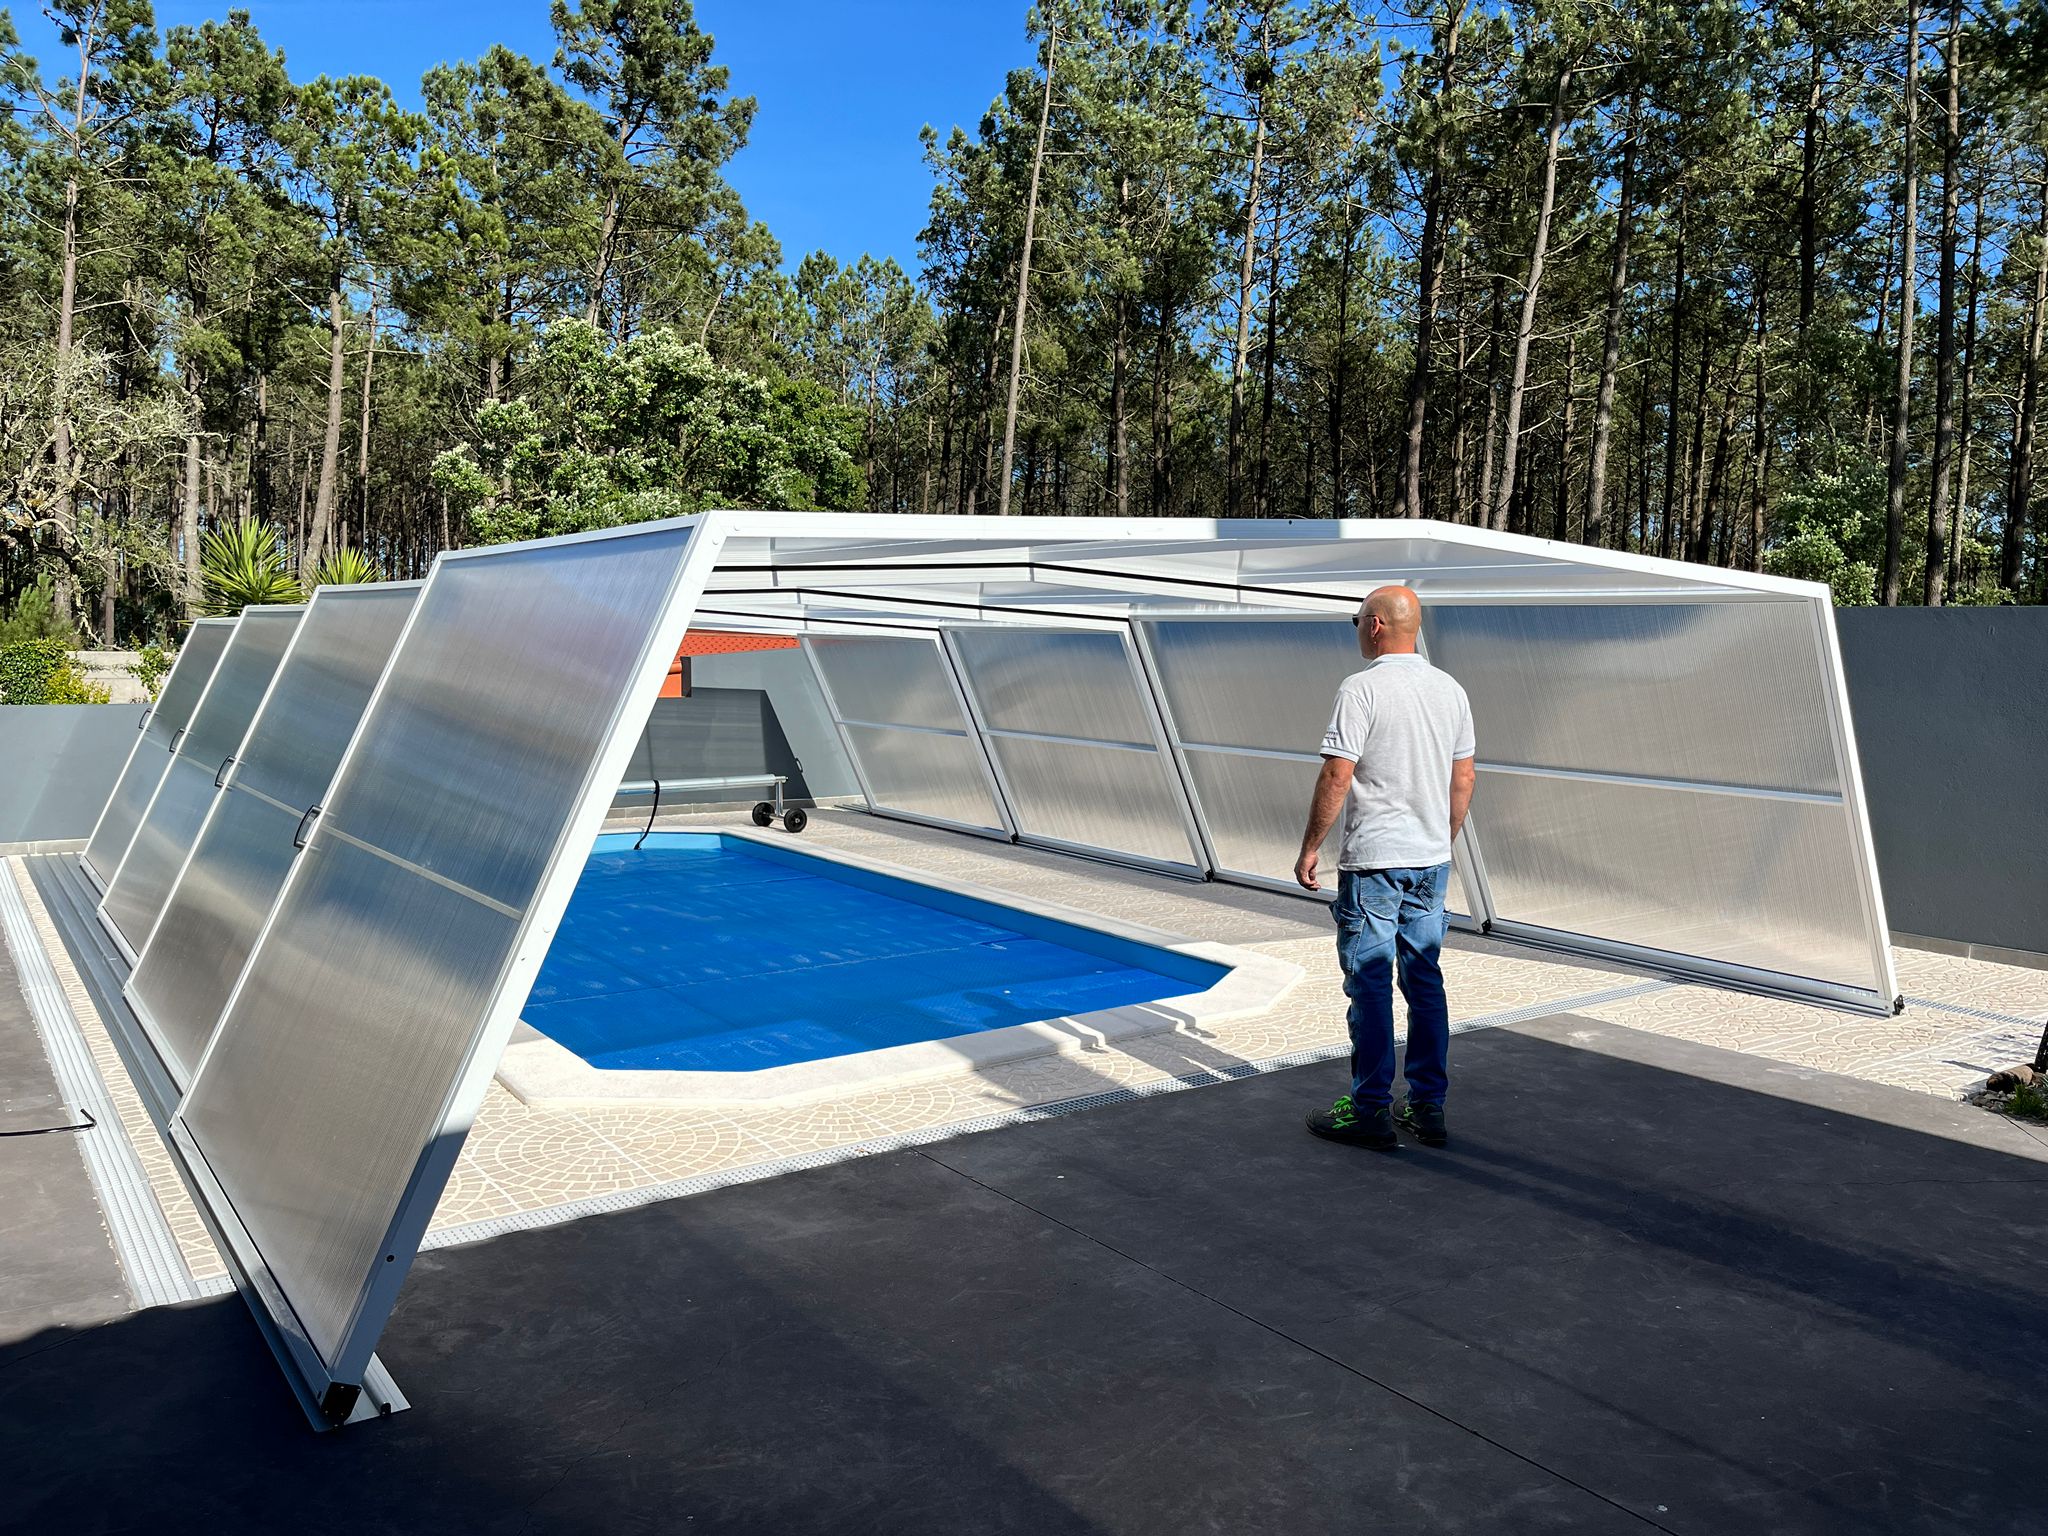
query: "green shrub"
34, 617
152, 665
345, 568
42, 672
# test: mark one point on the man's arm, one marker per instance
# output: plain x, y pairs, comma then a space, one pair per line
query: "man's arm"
1462, 779
1332, 784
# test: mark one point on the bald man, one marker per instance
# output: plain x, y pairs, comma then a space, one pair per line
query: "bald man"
1397, 761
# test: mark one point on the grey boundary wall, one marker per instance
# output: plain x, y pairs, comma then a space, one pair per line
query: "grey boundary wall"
1951, 710
58, 763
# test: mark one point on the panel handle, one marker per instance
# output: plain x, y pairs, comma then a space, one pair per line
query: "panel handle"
176, 737
220, 777
299, 836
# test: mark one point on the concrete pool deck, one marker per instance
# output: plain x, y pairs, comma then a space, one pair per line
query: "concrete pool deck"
525, 1166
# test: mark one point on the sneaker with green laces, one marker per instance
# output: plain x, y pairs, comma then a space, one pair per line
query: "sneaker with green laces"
1345, 1121
1424, 1121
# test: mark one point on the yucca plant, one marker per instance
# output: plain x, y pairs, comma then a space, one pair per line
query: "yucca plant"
244, 566
345, 568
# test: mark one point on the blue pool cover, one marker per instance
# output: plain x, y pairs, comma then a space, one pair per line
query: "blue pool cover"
699, 953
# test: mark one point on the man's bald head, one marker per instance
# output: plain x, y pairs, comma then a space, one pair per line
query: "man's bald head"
1388, 621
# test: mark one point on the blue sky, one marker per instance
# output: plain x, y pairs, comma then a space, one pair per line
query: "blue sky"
843, 86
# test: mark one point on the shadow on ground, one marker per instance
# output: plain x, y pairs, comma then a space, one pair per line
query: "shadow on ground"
1629, 1297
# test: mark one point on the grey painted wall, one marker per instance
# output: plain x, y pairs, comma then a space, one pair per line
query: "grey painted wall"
58, 763
1951, 708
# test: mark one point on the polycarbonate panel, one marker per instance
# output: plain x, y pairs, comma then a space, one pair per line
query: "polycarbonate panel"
499, 698
333, 1073
1099, 797
157, 853
1738, 878
885, 680
925, 774
345, 640
1253, 682
238, 865
1721, 693
159, 848
246, 668
189, 676
1054, 683
342, 1072
210, 924
1255, 809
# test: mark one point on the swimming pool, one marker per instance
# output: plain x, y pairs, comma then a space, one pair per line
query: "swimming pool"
718, 953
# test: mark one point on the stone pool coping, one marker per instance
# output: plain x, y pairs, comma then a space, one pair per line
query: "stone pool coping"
540, 1073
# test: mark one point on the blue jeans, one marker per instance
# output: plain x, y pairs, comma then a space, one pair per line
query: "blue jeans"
1390, 923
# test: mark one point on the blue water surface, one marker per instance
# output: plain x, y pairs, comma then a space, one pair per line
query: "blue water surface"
694, 953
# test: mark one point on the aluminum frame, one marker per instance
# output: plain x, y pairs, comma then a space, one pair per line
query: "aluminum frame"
141, 756
926, 579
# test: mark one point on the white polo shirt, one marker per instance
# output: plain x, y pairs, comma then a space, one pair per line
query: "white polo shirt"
1403, 723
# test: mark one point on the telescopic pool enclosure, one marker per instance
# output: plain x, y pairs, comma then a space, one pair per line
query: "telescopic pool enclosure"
347, 833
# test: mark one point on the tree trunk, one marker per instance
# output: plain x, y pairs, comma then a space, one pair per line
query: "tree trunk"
1902, 398
1525, 329
1942, 470
1671, 425
2020, 496
1162, 412
1340, 361
1484, 512
607, 232
1262, 501
188, 525
1560, 514
322, 526
1430, 277
62, 507
1119, 412
1461, 479
1610, 348
1760, 451
1052, 39
1240, 357
363, 437
1963, 520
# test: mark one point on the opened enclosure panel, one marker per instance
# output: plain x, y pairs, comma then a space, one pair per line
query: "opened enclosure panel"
182, 980
337, 1090
1717, 693
1664, 775
898, 711
1765, 883
157, 853
1247, 701
188, 678
1074, 744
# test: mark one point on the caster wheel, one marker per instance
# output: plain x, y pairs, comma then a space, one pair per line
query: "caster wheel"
763, 814
795, 820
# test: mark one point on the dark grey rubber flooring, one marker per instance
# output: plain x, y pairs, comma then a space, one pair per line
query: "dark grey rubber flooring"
57, 1263
1649, 1287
